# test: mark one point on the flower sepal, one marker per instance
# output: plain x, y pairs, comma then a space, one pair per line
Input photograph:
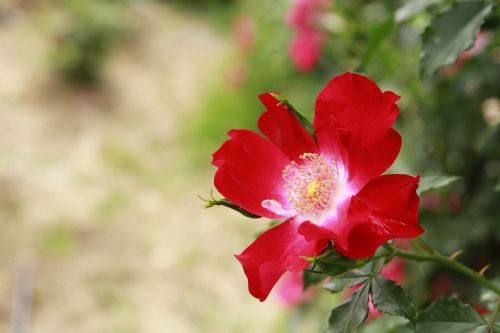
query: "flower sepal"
303, 120
226, 203
332, 263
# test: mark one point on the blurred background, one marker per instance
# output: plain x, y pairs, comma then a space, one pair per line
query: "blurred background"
111, 109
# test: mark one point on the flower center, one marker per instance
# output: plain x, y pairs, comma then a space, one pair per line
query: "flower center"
310, 184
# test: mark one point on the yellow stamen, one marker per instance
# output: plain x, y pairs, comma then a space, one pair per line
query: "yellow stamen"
310, 183
312, 188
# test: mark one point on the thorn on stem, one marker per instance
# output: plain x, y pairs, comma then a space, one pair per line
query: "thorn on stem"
456, 254
484, 269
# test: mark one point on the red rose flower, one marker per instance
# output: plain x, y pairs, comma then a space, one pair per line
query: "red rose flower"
329, 187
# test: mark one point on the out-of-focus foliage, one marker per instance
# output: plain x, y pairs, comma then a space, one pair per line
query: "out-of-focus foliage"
451, 33
85, 35
449, 119
197, 3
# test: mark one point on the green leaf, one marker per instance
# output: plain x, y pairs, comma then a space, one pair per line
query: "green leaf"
389, 297
352, 278
412, 8
450, 33
497, 187
378, 33
311, 279
496, 328
448, 315
402, 329
303, 120
226, 203
351, 313
428, 183
341, 282
486, 329
386, 324
333, 263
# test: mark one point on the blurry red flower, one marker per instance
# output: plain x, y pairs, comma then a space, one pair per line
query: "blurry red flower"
441, 285
481, 309
329, 187
455, 203
290, 290
305, 48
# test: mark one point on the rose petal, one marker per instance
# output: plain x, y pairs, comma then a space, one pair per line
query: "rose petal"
283, 129
273, 253
386, 208
362, 162
250, 171
366, 162
355, 101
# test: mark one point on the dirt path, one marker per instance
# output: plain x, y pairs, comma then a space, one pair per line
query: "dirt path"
94, 207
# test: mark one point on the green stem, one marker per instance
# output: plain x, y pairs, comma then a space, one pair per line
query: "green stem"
447, 262
493, 316
315, 272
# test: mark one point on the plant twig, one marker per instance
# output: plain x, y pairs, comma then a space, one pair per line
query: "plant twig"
447, 262
493, 317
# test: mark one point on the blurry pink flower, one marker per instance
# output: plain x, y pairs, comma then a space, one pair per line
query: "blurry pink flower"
403, 244
304, 13
290, 290
244, 39
236, 76
244, 33
395, 270
307, 44
305, 50
430, 202
481, 42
